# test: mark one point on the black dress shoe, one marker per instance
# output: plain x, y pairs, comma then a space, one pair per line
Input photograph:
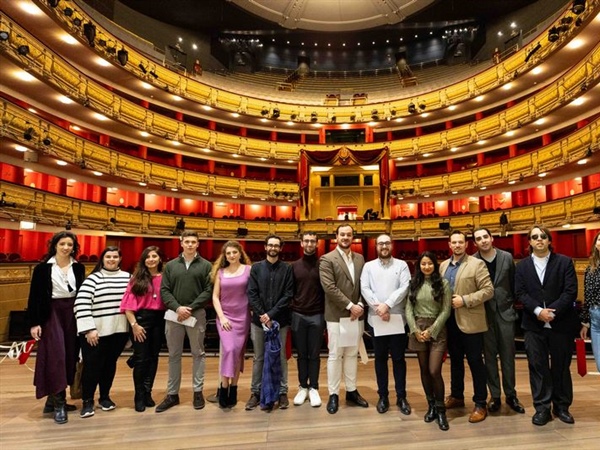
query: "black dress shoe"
494, 405
515, 404
541, 417
169, 401
563, 415
383, 404
355, 398
404, 406
333, 404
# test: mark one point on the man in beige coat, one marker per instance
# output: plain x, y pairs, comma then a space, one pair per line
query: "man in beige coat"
471, 286
339, 271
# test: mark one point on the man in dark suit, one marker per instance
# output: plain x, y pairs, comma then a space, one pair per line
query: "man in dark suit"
339, 271
471, 287
499, 339
546, 284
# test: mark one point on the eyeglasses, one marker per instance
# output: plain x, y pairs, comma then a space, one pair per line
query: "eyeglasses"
384, 244
273, 245
535, 237
310, 241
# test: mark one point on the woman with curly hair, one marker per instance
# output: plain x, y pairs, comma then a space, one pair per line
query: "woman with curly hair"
427, 311
230, 275
54, 285
145, 312
590, 313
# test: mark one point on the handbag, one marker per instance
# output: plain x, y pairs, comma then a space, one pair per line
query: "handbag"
75, 389
581, 357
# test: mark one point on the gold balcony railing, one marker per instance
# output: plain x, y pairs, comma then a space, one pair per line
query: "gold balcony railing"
49, 208
68, 80
195, 90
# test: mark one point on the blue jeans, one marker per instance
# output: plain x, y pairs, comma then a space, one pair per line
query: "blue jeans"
595, 333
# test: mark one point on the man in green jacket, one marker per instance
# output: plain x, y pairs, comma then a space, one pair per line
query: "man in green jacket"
185, 290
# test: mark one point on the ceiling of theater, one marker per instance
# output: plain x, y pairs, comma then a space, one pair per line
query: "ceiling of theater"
319, 15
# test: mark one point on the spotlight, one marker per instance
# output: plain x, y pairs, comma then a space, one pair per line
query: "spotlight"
28, 134
68, 11
111, 50
553, 34
123, 56
578, 22
113, 220
422, 106
89, 31
589, 153
264, 111
393, 112
23, 50
353, 117
77, 21
142, 68
47, 141
578, 6
68, 225
375, 114
102, 42
4, 35
275, 113
313, 116
412, 108
293, 116
333, 119
153, 73
584, 87
53, 3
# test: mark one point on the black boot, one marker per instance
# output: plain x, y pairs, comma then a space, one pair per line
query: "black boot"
139, 400
430, 415
60, 411
149, 383
223, 397
441, 416
232, 400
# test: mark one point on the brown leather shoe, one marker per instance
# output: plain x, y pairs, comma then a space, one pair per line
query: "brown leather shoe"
478, 415
453, 402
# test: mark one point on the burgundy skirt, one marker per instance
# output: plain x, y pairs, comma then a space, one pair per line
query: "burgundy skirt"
58, 350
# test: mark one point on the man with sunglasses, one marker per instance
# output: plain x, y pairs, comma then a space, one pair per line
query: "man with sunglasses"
546, 285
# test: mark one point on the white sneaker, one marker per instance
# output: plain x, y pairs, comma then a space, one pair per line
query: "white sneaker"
300, 397
314, 397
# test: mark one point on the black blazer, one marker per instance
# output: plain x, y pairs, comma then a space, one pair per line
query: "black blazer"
558, 291
40, 293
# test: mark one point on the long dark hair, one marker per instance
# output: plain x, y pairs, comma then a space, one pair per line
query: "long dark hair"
141, 280
594, 254
437, 283
222, 262
54, 241
100, 264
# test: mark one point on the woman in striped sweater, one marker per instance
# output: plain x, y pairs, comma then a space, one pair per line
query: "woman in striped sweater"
102, 328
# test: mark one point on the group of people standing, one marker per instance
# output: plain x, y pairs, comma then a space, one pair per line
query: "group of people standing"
465, 305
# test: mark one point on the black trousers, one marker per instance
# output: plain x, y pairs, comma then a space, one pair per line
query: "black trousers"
394, 345
549, 357
145, 354
100, 364
307, 332
471, 345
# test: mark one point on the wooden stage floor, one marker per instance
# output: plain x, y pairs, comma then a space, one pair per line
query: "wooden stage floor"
22, 425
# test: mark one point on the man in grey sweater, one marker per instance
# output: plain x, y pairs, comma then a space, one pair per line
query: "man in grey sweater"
186, 288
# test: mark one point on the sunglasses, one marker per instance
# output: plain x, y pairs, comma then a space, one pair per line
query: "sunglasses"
535, 237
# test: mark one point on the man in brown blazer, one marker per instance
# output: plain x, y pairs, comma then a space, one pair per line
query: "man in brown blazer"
339, 271
471, 286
